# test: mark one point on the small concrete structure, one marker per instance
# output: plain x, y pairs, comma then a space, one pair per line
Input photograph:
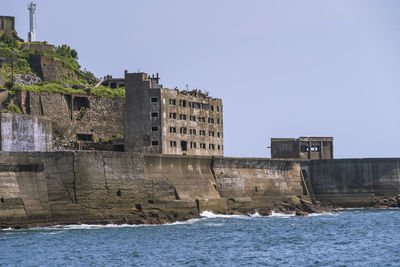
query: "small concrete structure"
113, 83
169, 121
25, 133
302, 148
7, 25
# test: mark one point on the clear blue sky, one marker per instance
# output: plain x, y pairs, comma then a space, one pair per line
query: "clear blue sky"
283, 68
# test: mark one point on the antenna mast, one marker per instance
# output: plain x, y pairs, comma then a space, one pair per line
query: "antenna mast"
32, 22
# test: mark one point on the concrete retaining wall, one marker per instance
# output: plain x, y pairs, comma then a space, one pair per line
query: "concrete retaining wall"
257, 183
126, 187
355, 182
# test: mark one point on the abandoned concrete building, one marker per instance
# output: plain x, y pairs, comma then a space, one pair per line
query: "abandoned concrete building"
113, 83
302, 148
77, 119
7, 25
169, 121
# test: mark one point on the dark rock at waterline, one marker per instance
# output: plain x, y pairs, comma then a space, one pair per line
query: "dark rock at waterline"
301, 213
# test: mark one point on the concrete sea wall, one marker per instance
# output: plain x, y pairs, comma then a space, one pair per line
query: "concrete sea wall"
125, 187
257, 183
355, 182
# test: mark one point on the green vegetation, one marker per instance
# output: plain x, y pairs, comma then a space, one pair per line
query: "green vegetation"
74, 80
47, 87
101, 91
104, 91
14, 109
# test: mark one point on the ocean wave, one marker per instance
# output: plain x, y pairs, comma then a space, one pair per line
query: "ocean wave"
323, 214
256, 215
210, 215
281, 215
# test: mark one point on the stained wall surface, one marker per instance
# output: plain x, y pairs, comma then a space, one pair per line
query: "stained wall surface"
25, 133
127, 187
101, 118
257, 183
355, 182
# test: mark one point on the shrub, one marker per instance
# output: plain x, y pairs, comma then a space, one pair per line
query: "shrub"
14, 109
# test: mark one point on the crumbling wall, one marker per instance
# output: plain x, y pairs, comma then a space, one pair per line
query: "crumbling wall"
50, 70
25, 133
102, 118
7, 25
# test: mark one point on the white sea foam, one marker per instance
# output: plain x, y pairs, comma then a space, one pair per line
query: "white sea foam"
281, 215
256, 215
191, 221
210, 215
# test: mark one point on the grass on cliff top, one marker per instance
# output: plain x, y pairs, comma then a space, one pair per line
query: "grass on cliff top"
101, 91
12, 48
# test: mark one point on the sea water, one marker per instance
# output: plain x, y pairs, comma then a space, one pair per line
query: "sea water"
348, 238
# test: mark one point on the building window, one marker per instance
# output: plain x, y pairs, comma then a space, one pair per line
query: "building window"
219, 147
172, 129
172, 102
202, 132
218, 134
202, 146
202, 119
182, 103
195, 105
217, 108
154, 114
154, 143
205, 106
154, 129
217, 120
172, 143
304, 148
172, 115
84, 137
192, 131
193, 145
210, 120
314, 148
192, 118
211, 107
211, 146
211, 133
80, 103
182, 116
153, 99
183, 130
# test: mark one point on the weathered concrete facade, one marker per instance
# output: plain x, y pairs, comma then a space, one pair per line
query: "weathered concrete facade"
25, 133
49, 70
161, 120
113, 82
355, 182
302, 148
7, 25
76, 117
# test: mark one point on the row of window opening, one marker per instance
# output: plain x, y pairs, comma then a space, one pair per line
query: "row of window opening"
183, 130
184, 103
193, 145
172, 115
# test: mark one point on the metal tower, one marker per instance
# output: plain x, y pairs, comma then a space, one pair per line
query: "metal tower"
32, 22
